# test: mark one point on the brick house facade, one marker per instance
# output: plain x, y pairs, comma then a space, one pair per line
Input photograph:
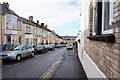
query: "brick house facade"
100, 52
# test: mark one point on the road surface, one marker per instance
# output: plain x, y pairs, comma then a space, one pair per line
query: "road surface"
33, 67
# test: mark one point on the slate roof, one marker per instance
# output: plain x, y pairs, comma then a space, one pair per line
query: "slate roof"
7, 10
30, 22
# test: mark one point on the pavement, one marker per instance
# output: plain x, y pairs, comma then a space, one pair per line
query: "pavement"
70, 67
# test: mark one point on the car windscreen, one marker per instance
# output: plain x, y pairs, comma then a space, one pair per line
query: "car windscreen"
69, 44
18, 48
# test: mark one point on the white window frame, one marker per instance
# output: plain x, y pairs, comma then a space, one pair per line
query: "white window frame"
103, 15
93, 32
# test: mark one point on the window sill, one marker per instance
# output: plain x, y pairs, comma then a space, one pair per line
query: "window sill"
109, 38
27, 33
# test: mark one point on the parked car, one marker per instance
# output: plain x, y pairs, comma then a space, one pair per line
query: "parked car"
51, 47
57, 46
69, 46
18, 52
62, 45
45, 48
38, 49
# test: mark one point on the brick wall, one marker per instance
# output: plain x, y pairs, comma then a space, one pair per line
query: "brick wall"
106, 55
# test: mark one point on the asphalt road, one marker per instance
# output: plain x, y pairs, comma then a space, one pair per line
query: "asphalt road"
33, 67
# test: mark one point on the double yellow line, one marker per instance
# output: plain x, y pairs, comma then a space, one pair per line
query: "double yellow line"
53, 67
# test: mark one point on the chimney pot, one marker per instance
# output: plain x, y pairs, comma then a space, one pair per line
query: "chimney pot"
31, 18
46, 26
42, 24
6, 4
37, 21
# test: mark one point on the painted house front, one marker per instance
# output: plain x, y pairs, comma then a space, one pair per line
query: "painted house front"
10, 24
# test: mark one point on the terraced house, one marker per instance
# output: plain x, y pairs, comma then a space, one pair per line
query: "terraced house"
18, 30
99, 39
10, 25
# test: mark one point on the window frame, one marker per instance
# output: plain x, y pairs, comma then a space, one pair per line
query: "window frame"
103, 15
94, 12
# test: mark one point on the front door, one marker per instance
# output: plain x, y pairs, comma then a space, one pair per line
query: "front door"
8, 40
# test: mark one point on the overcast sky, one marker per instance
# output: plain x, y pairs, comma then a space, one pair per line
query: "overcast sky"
63, 16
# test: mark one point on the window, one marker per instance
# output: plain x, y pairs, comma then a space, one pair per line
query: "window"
19, 25
102, 17
107, 18
11, 22
35, 30
8, 24
14, 23
27, 29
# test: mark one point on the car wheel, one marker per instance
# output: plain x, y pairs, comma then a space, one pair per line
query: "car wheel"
42, 51
47, 50
52, 49
18, 58
32, 55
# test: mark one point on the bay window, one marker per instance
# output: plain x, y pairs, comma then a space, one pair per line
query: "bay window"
10, 22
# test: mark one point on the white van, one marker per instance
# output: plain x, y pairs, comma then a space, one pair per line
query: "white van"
69, 46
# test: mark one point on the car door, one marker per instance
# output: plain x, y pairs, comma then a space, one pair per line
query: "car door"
23, 51
28, 50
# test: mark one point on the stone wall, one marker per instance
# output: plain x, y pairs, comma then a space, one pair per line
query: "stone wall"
106, 55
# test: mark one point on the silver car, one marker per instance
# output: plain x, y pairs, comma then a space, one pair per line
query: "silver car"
17, 53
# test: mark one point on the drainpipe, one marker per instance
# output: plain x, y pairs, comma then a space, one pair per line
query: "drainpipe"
1, 28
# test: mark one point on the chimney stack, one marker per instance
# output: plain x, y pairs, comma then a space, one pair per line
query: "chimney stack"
31, 18
6, 4
37, 21
42, 24
46, 26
